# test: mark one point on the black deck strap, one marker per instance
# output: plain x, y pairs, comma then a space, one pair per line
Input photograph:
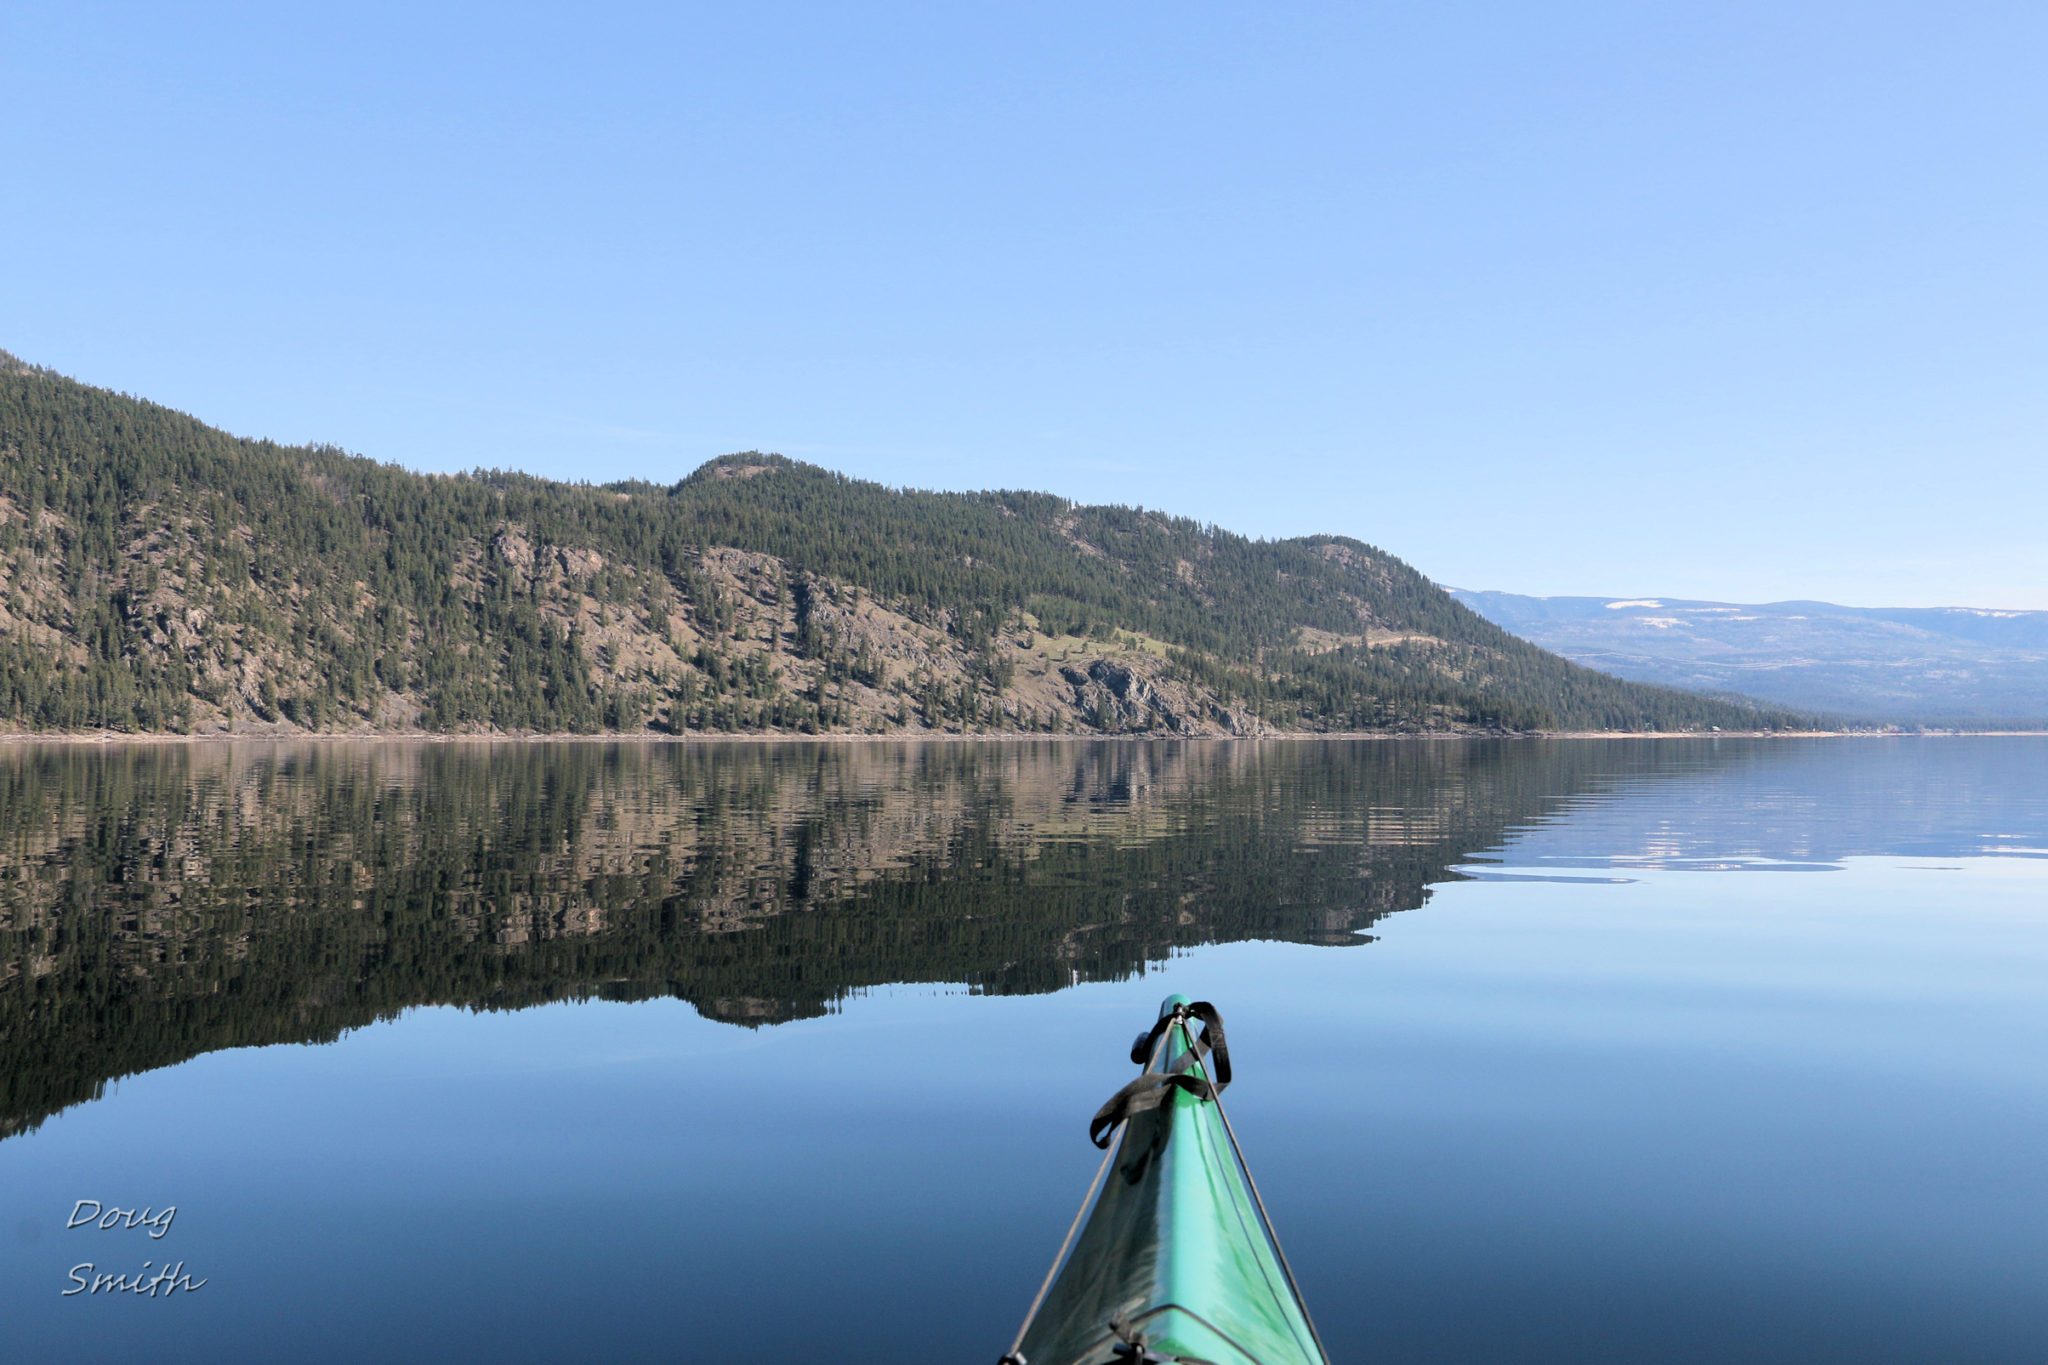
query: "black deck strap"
1141, 1051
1210, 1040
1146, 1092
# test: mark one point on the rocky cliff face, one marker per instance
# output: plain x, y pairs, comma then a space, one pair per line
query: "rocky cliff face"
1132, 697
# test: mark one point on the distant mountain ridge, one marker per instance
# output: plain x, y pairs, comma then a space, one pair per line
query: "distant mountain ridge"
157, 574
1930, 665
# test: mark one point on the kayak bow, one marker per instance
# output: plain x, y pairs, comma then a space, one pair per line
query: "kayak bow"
1176, 1260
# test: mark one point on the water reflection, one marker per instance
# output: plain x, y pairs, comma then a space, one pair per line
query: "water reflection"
158, 903
1807, 805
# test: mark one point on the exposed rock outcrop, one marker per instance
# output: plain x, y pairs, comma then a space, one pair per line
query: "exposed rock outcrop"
1123, 697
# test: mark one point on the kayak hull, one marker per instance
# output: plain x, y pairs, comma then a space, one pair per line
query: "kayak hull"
1175, 1252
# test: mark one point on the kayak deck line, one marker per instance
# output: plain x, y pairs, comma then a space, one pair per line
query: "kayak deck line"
1174, 1259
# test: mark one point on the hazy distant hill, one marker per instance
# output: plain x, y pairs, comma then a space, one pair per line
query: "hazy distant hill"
158, 574
1959, 665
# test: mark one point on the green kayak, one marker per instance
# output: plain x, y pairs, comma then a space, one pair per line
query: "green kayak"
1174, 1259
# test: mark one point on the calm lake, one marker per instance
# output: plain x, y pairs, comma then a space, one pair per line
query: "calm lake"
1574, 1050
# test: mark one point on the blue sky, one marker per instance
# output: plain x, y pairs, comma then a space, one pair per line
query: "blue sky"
1729, 300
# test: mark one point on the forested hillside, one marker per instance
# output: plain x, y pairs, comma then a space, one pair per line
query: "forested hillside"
159, 575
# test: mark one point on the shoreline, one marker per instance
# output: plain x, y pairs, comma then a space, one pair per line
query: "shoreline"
116, 738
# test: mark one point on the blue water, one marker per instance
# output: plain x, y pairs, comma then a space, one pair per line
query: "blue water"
1579, 1052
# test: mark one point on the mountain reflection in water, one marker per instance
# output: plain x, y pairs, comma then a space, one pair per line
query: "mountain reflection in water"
161, 902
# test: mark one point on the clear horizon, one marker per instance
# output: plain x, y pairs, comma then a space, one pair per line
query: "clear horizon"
1741, 305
